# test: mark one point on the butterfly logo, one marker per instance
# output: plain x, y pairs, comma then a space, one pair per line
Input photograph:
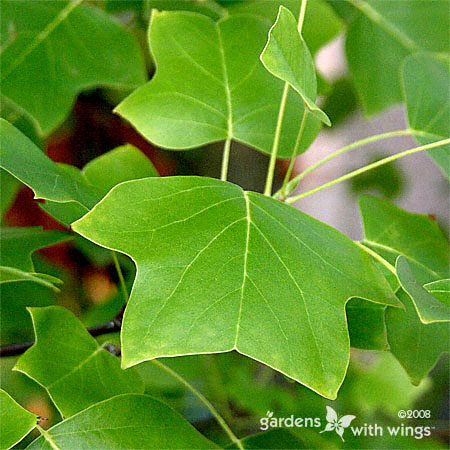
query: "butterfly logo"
339, 425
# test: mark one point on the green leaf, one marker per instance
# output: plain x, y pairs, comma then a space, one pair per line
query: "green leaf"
429, 309
286, 56
15, 421
230, 270
366, 325
121, 164
426, 80
70, 365
18, 244
51, 51
50, 181
416, 346
391, 231
9, 187
125, 421
207, 7
10, 274
382, 36
440, 289
223, 91
317, 12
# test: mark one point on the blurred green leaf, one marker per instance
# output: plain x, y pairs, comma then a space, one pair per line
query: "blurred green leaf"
68, 362
382, 36
15, 421
341, 101
426, 80
209, 8
51, 51
440, 289
279, 438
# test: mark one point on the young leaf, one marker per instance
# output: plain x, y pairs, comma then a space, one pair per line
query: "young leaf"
15, 421
126, 421
440, 289
47, 61
287, 57
10, 274
70, 365
428, 308
234, 270
382, 36
318, 11
391, 231
426, 80
48, 180
416, 346
121, 164
223, 91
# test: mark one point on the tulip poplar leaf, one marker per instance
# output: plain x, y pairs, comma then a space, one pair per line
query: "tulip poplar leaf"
223, 91
125, 421
221, 269
51, 51
70, 365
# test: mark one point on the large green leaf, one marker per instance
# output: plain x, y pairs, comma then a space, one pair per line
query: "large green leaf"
15, 421
428, 308
23, 159
51, 51
222, 91
220, 269
17, 246
287, 57
426, 80
70, 365
392, 231
384, 33
317, 12
126, 421
417, 346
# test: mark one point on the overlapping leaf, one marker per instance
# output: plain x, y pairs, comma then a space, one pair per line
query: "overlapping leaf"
392, 231
426, 80
382, 36
51, 51
69, 192
428, 308
125, 421
17, 246
230, 269
287, 57
440, 289
222, 92
416, 346
15, 421
424, 252
70, 365
317, 11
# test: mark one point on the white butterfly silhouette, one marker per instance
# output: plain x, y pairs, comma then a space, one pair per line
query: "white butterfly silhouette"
338, 425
